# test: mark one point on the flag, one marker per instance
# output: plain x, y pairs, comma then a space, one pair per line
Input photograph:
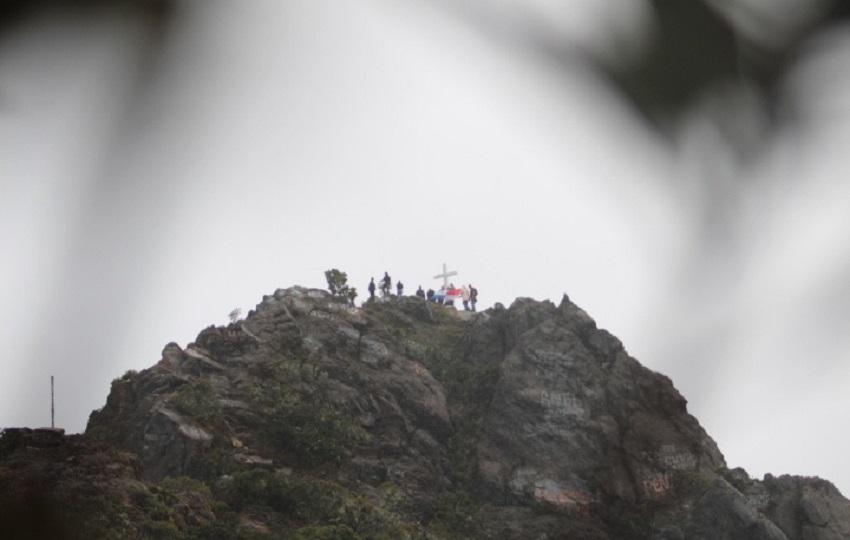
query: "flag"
447, 295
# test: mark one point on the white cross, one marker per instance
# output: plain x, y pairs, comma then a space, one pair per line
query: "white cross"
445, 275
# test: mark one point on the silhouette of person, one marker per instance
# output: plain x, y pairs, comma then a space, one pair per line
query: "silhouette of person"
372, 289
420, 293
386, 284
399, 287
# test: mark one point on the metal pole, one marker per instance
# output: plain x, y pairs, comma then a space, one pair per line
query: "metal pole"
52, 410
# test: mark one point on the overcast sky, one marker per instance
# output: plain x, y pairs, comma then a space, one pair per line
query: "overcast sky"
275, 140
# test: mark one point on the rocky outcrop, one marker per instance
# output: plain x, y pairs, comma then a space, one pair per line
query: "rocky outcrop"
807, 508
525, 422
800, 507
575, 422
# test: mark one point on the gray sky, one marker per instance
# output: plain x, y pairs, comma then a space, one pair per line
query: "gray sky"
278, 139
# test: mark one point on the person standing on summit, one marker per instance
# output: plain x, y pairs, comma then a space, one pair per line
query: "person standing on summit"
386, 284
399, 287
372, 289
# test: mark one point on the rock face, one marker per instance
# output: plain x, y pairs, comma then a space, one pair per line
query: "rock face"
575, 422
407, 419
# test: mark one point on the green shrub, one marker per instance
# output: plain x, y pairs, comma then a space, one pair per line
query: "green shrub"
314, 431
197, 400
332, 532
312, 505
469, 386
456, 512
226, 531
153, 506
159, 530
689, 484
211, 463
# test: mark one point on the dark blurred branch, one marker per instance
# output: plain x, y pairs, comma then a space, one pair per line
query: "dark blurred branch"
692, 48
15, 13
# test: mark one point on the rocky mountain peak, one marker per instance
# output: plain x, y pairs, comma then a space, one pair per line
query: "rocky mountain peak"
519, 422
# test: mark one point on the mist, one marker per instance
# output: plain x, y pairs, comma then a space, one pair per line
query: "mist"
164, 165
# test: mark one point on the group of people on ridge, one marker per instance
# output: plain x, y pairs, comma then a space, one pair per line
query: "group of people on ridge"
386, 286
445, 296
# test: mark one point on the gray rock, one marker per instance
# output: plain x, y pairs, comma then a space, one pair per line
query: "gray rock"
807, 508
723, 512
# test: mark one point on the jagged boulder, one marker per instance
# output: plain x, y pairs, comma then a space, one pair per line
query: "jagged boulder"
808, 508
575, 422
299, 381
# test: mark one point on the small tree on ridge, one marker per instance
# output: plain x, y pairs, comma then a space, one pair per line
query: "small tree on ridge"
337, 282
